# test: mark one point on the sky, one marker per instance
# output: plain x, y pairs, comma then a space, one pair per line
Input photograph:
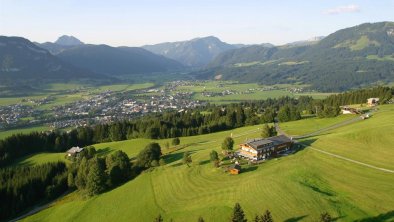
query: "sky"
136, 23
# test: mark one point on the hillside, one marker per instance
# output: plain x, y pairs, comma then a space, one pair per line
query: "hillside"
22, 62
113, 61
297, 187
196, 52
352, 57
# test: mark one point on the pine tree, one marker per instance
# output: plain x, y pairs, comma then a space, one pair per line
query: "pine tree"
200, 219
266, 131
187, 159
325, 217
159, 218
267, 217
176, 141
70, 180
228, 143
238, 214
96, 178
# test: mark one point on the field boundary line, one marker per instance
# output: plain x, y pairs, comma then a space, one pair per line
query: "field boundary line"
349, 160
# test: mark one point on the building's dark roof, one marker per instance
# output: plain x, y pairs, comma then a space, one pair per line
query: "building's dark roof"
235, 166
280, 139
267, 143
257, 143
74, 150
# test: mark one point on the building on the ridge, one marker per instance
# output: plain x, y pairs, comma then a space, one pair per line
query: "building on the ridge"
372, 101
74, 151
263, 148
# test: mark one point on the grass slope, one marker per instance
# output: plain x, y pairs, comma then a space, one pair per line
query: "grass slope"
295, 188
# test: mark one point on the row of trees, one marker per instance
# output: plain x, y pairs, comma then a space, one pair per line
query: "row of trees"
360, 96
238, 215
92, 175
25, 186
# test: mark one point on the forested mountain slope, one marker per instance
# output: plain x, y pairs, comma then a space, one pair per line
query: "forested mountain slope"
348, 58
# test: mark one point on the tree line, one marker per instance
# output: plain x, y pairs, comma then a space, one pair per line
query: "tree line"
25, 186
238, 215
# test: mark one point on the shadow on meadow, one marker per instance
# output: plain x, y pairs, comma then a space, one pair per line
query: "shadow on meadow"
389, 216
296, 219
173, 157
103, 152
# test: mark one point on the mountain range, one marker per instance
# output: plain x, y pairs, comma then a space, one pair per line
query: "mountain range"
352, 57
349, 58
197, 52
21, 61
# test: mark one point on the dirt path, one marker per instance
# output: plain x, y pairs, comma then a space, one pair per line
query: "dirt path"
344, 123
348, 159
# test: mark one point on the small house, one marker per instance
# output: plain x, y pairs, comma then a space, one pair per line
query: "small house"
74, 151
235, 169
372, 101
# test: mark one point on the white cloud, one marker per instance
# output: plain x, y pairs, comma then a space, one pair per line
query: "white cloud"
342, 9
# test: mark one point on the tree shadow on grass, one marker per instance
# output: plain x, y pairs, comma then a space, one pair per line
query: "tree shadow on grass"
204, 162
296, 219
317, 189
248, 169
172, 157
104, 151
389, 216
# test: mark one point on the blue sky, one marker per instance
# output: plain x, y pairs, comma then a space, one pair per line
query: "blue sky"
135, 23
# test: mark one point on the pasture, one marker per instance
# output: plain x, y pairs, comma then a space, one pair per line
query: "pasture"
297, 187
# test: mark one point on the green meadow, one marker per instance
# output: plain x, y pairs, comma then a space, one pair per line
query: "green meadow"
6, 133
297, 187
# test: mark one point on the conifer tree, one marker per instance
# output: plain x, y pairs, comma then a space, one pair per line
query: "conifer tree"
238, 214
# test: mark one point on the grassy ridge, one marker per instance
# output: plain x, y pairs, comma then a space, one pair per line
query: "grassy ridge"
300, 186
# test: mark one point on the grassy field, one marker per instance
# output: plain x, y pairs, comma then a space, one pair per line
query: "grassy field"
6, 133
310, 125
370, 141
295, 188
247, 91
40, 159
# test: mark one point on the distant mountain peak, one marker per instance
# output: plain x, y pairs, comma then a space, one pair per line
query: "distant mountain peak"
67, 40
196, 52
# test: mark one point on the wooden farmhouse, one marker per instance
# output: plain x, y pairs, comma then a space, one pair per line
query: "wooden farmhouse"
263, 148
74, 151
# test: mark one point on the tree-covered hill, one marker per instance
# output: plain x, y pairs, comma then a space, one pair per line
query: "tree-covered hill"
348, 58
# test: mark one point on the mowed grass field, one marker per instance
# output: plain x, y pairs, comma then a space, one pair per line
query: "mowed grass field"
7, 133
297, 187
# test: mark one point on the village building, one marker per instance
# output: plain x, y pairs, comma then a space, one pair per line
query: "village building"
235, 169
372, 101
263, 148
349, 110
74, 151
